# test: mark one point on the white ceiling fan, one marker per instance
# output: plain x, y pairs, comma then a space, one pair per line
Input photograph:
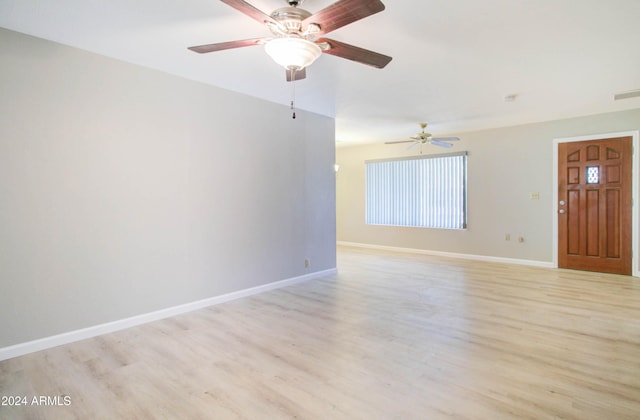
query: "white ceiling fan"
422, 138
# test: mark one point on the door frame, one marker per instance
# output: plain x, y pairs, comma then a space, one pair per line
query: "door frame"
635, 193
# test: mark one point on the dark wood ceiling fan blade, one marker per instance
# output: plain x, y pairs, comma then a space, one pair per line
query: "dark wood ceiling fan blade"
342, 13
249, 10
228, 45
353, 53
296, 75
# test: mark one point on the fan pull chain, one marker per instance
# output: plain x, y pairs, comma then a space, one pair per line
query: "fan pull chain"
293, 93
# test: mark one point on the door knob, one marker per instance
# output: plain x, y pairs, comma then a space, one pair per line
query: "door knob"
562, 203
561, 211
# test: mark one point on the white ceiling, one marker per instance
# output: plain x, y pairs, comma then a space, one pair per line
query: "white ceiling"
453, 60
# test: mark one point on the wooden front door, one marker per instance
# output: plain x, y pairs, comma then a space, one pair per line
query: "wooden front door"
594, 205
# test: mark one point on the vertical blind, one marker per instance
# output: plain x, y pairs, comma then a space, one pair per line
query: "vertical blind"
424, 191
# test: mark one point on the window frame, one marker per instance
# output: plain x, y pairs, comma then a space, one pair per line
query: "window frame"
463, 225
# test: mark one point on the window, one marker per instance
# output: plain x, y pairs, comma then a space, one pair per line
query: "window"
593, 174
422, 191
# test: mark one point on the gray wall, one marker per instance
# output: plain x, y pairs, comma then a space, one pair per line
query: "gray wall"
505, 165
125, 190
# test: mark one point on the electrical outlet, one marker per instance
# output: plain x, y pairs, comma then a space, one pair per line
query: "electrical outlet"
507, 237
520, 239
307, 263
534, 195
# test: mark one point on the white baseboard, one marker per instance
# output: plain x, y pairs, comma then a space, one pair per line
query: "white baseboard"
109, 327
451, 254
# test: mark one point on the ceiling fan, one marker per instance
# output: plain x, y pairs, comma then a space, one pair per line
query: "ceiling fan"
422, 138
295, 43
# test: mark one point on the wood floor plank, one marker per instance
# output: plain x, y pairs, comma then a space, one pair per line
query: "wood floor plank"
393, 335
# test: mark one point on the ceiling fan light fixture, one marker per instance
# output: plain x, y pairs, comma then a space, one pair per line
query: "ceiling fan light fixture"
293, 53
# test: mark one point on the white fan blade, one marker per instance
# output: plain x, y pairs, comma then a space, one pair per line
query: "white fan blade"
441, 144
415, 143
446, 139
398, 141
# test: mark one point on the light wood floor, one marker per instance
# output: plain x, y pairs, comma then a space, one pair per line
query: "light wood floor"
392, 336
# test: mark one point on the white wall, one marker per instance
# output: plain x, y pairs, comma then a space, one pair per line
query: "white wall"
505, 165
125, 190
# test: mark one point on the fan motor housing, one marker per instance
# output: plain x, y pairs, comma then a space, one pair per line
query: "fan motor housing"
291, 18
290, 13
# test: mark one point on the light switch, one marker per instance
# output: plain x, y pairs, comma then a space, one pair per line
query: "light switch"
534, 195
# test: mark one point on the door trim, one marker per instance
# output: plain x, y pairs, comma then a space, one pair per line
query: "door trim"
635, 193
